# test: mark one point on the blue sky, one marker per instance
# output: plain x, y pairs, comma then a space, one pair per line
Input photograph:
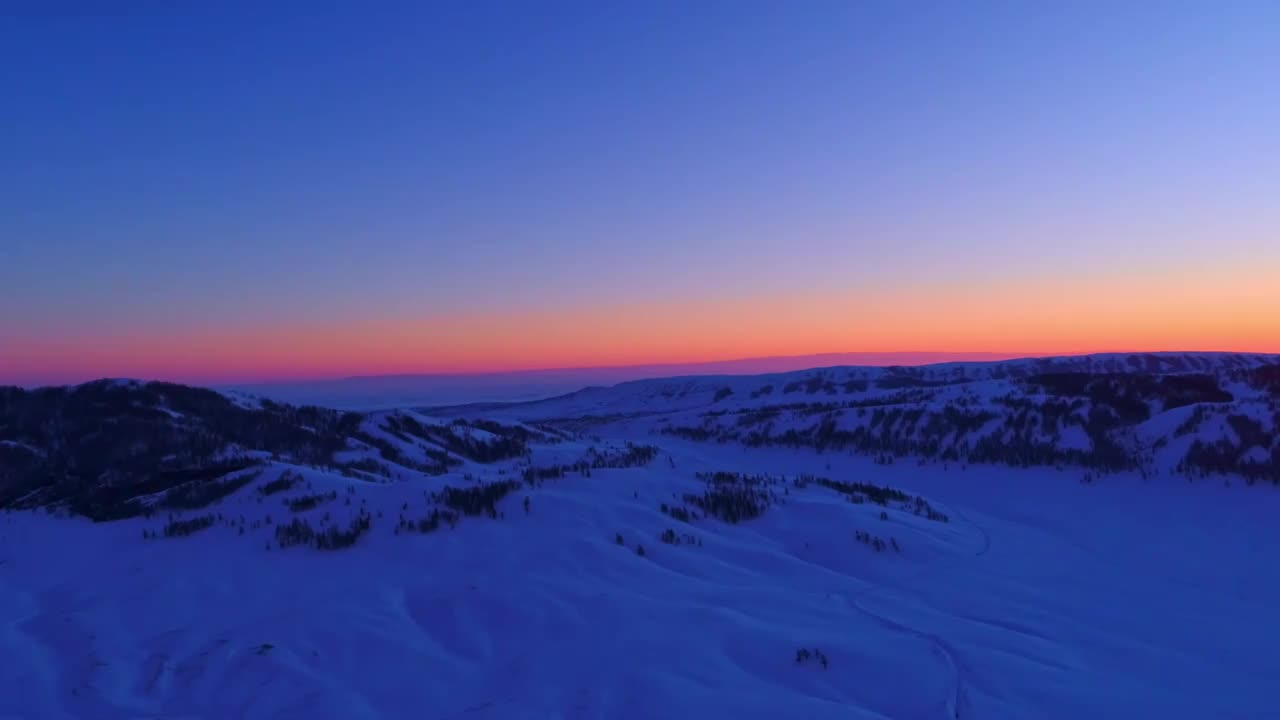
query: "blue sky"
226, 166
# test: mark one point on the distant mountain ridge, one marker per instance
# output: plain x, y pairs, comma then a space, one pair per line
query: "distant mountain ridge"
1158, 413
1098, 363
373, 392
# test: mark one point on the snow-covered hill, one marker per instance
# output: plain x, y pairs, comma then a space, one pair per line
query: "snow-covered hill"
1195, 414
637, 552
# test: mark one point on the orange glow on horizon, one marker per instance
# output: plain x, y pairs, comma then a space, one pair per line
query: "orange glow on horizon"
1234, 310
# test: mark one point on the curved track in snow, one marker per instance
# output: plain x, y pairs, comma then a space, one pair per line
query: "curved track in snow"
954, 704
955, 695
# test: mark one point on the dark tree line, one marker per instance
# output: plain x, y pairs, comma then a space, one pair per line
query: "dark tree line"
875, 542
1028, 436
733, 497
286, 481
182, 528
505, 442
477, 500
203, 493
632, 455
677, 512
302, 503
671, 537
390, 452
804, 655
879, 494
431, 523
358, 469
332, 537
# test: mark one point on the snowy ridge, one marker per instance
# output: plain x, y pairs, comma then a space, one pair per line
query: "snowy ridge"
638, 393
1095, 412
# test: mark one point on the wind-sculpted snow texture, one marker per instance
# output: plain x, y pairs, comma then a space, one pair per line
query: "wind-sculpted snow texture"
584, 557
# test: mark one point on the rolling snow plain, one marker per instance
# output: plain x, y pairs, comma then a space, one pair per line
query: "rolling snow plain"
1039, 597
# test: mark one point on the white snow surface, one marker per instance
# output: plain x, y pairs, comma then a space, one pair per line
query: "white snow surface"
1041, 598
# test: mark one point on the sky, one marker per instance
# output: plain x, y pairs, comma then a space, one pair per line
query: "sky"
232, 192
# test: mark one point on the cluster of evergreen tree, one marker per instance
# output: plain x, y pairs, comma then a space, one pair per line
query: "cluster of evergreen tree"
459, 439
286, 481
1193, 421
551, 434
804, 655
331, 537
905, 379
477, 500
1265, 378
1223, 457
632, 455
750, 418
507, 441
429, 524
671, 537
201, 493
403, 426
302, 503
364, 467
876, 543
810, 386
821, 383
525, 434
883, 495
904, 426
733, 497
334, 538
811, 408
878, 494
1250, 431
676, 511
439, 461
533, 475
295, 532
503, 442
920, 506
1129, 395
182, 528
694, 433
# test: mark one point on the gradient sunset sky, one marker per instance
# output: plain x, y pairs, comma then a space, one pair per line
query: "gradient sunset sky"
215, 192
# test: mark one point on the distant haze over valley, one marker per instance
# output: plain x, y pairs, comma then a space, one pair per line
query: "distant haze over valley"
388, 391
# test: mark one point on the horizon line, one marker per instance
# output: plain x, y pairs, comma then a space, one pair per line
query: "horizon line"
992, 356
1002, 357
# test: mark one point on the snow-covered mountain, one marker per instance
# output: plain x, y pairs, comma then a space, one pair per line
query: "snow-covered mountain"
838, 542
1191, 413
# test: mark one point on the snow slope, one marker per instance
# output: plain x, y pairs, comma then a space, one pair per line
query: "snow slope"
1040, 598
